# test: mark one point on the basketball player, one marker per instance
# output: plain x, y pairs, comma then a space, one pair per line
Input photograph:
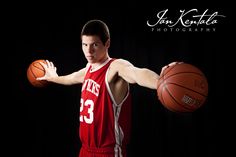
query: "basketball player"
105, 105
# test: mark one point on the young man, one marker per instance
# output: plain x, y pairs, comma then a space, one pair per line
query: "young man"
105, 105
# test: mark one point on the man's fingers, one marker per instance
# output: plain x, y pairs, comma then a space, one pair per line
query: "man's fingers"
51, 64
40, 78
48, 64
170, 64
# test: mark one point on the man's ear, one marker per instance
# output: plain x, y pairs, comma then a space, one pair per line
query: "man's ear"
107, 44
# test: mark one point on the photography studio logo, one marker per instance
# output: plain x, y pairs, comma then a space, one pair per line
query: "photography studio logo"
191, 20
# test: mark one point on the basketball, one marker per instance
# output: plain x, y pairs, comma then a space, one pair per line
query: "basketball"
35, 70
182, 87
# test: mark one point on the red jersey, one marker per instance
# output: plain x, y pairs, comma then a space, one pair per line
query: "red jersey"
104, 124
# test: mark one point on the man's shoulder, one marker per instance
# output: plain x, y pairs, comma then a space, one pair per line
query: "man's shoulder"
119, 61
118, 65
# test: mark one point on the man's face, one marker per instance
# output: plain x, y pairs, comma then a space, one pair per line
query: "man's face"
93, 49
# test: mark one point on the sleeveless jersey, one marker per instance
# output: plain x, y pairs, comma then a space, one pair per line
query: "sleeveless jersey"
103, 123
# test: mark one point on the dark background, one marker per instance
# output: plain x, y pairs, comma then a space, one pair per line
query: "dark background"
43, 121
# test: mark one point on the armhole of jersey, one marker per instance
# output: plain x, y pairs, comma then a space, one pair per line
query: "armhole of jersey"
110, 93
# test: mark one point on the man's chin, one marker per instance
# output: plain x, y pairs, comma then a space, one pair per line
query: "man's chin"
91, 61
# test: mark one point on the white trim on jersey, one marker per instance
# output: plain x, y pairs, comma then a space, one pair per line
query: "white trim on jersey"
100, 66
119, 134
110, 93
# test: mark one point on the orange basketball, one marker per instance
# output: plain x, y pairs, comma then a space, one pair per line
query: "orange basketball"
182, 88
35, 70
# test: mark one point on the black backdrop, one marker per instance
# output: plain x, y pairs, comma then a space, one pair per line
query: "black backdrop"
45, 120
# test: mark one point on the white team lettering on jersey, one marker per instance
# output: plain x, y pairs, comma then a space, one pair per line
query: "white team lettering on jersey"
91, 86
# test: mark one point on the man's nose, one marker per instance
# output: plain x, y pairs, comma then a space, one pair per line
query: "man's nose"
90, 49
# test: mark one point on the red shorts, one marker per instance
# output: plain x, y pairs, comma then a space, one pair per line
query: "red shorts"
100, 152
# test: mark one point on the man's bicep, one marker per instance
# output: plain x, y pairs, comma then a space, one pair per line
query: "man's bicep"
78, 76
126, 70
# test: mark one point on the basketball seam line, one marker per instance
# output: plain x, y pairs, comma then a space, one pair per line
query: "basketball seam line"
163, 78
183, 73
33, 72
167, 72
187, 88
40, 82
38, 67
175, 99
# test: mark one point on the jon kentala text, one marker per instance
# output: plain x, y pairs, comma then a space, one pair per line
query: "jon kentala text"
191, 20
